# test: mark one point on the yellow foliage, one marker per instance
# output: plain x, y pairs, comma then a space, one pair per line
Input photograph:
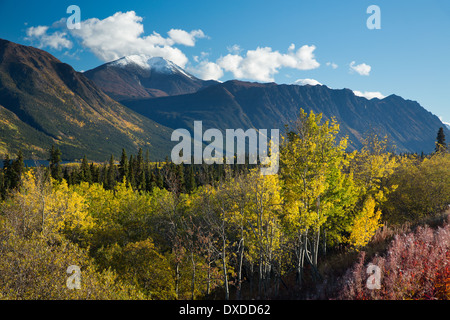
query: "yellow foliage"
365, 224
41, 207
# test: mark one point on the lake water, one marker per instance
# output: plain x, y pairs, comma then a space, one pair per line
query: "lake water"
34, 163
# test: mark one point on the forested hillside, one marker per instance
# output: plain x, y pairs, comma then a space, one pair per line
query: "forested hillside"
44, 101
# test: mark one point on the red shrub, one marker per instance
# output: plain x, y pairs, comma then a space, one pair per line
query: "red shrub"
416, 266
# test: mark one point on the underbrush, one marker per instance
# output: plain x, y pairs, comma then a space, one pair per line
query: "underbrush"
416, 265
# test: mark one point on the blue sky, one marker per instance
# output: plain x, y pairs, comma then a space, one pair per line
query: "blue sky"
283, 41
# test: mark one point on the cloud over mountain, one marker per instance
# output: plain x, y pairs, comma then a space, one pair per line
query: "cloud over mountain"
118, 35
262, 64
311, 82
56, 40
369, 94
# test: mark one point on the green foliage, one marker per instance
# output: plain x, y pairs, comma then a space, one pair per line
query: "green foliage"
140, 264
423, 188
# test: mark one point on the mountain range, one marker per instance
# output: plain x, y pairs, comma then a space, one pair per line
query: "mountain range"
237, 104
136, 102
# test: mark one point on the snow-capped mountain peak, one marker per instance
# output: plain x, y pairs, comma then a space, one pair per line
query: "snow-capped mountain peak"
136, 59
143, 76
157, 64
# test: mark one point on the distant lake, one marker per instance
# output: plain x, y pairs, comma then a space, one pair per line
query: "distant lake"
33, 163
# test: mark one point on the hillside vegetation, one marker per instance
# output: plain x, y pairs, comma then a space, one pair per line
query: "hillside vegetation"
232, 233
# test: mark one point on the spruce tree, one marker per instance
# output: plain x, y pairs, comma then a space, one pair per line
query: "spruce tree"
95, 173
123, 166
131, 172
103, 175
191, 184
159, 178
85, 172
18, 164
55, 163
66, 175
111, 174
147, 158
139, 171
142, 181
18, 168
151, 180
179, 172
441, 145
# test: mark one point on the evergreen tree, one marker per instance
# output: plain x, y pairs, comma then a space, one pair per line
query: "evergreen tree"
191, 184
111, 174
12, 171
139, 171
147, 171
95, 172
123, 166
55, 163
151, 180
142, 181
441, 145
66, 175
159, 178
131, 172
18, 164
103, 175
85, 172
74, 177
18, 168
179, 172
147, 158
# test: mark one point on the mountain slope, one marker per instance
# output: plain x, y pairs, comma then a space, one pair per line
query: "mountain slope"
140, 76
17, 135
236, 104
46, 101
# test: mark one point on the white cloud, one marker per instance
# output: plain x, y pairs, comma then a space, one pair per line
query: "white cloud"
234, 49
119, 35
203, 56
262, 64
207, 70
231, 62
36, 31
332, 65
185, 38
311, 82
56, 40
369, 95
122, 34
362, 69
